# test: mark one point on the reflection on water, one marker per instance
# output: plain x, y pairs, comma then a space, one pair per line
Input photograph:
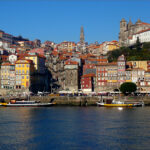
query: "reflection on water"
76, 128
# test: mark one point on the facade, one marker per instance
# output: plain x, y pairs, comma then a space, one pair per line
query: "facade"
138, 76
12, 58
24, 70
140, 64
101, 76
121, 69
66, 46
5, 72
144, 36
87, 83
6, 37
112, 71
109, 46
71, 76
39, 62
129, 29
12, 77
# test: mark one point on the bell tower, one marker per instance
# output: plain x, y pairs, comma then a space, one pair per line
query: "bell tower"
82, 35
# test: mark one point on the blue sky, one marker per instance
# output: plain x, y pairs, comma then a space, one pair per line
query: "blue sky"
60, 20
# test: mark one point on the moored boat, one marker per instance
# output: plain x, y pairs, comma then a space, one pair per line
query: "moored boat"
2, 102
14, 103
113, 103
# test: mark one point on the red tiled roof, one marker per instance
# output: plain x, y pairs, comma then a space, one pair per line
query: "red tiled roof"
28, 61
70, 62
143, 31
6, 64
144, 23
55, 53
89, 75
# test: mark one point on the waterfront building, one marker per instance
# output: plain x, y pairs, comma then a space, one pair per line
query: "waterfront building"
138, 76
147, 78
87, 82
101, 76
5, 75
71, 75
12, 77
129, 75
24, 70
121, 69
112, 72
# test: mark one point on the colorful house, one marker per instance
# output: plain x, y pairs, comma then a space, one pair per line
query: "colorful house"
24, 70
87, 82
38, 60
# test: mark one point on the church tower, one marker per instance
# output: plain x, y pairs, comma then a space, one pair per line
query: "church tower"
122, 34
82, 35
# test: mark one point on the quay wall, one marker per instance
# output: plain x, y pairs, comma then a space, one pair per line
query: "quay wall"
70, 101
81, 101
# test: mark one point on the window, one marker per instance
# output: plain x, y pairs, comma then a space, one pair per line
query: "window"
22, 77
27, 77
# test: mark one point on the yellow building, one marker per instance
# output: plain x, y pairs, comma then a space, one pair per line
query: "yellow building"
139, 64
39, 62
24, 70
113, 45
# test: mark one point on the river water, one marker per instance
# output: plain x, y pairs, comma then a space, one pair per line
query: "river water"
74, 128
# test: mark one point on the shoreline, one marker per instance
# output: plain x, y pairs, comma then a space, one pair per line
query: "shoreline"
82, 100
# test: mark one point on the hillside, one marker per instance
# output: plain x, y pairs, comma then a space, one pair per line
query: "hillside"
137, 52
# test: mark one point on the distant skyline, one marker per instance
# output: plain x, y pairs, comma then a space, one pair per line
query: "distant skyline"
61, 20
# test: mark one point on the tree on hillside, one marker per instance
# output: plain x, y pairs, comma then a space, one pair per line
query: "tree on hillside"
128, 87
138, 44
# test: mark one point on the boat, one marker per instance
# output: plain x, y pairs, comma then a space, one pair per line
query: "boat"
2, 102
23, 103
114, 103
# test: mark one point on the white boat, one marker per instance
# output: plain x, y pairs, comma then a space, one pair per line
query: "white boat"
14, 103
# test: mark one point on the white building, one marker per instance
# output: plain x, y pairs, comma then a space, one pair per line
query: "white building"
12, 58
144, 36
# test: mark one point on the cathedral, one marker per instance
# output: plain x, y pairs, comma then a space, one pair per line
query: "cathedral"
129, 29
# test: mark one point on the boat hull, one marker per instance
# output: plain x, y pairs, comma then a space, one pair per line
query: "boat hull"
29, 105
114, 105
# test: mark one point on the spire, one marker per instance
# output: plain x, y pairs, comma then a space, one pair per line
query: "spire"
82, 35
123, 20
138, 21
130, 24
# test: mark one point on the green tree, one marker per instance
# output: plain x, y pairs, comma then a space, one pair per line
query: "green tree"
128, 87
138, 44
